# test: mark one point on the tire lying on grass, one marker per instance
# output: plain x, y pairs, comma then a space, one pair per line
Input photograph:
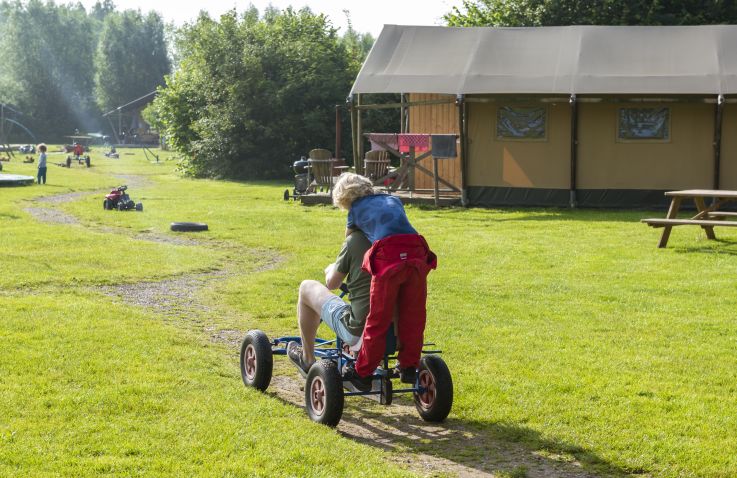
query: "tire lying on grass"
188, 226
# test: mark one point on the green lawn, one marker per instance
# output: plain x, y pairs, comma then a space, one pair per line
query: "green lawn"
567, 332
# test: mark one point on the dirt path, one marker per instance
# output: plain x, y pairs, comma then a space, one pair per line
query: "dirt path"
453, 448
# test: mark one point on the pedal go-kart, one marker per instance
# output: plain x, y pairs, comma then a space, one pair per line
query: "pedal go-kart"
120, 200
325, 389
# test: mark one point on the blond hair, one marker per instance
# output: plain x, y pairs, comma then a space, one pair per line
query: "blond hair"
349, 188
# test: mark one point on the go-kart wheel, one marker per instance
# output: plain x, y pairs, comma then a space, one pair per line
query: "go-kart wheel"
286, 194
139, 207
324, 393
121, 206
106, 205
435, 402
257, 361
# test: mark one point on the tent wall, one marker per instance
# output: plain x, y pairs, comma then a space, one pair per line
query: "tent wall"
685, 161
728, 163
438, 119
518, 163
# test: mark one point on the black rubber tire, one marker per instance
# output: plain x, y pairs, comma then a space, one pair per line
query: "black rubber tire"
435, 405
106, 205
139, 207
188, 226
87, 161
286, 194
257, 361
121, 207
325, 383
69, 162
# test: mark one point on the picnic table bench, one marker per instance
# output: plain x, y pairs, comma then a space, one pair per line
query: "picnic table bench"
707, 217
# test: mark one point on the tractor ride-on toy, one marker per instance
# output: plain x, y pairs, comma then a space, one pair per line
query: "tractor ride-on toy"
119, 199
325, 388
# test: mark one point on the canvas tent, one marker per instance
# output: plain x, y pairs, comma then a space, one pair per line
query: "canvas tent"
587, 115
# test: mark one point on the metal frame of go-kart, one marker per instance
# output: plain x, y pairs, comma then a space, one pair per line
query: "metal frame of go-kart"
325, 387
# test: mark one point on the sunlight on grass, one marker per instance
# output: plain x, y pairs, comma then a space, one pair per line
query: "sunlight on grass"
567, 332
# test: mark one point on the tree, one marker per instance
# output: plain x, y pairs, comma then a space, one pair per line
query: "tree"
131, 58
595, 12
253, 94
46, 51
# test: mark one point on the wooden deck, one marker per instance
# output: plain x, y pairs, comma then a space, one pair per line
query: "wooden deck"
426, 199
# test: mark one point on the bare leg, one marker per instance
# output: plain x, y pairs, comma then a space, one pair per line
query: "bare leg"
312, 296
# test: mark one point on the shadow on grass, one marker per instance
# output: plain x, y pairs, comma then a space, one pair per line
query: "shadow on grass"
713, 246
457, 446
494, 448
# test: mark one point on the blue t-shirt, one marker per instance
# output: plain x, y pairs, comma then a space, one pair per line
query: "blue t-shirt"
379, 216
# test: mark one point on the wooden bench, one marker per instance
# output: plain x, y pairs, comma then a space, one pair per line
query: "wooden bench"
659, 222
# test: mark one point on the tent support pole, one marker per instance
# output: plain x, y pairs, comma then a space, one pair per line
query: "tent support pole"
463, 132
354, 140
574, 149
718, 139
402, 112
359, 137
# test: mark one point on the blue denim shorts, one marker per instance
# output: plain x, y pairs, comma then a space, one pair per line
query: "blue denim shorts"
334, 310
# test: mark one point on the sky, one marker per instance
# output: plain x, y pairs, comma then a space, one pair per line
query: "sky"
367, 16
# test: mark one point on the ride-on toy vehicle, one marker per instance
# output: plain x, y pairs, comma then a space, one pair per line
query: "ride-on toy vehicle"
325, 389
119, 199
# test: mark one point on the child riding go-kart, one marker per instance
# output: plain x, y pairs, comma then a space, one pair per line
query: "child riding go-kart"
120, 200
326, 388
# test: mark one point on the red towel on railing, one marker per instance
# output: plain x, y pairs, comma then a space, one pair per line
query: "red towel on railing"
389, 139
421, 142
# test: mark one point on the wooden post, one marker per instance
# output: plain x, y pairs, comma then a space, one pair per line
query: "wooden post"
435, 178
411, 177
338, 131
359, 139
354, 131
574, 150
718, 140
402, 113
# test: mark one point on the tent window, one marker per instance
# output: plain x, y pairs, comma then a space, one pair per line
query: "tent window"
636, 124
521, 123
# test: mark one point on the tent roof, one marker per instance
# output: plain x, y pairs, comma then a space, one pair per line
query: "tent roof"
557, 60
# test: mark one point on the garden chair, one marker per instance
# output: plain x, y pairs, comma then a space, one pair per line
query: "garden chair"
376, 165
321, 164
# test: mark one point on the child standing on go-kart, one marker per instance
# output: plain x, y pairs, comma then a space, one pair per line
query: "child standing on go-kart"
398, 261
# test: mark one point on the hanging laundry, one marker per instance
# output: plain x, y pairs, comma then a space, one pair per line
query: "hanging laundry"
444, 145
421, 142
379, 139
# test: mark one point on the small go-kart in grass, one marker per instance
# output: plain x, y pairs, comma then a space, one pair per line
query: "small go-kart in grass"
325, 387
120, 200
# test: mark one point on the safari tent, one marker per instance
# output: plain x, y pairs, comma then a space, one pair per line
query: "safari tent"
589, 116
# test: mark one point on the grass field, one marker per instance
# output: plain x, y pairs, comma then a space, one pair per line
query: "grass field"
568, 333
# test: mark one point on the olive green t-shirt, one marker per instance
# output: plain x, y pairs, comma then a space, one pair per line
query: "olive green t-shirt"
359, 282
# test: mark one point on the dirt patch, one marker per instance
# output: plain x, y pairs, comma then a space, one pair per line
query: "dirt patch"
51, 216
447, 449
62, 198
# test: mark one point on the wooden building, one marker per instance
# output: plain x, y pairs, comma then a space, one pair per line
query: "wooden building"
593, 116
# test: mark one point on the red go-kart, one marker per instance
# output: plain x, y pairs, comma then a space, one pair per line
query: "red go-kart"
119, 199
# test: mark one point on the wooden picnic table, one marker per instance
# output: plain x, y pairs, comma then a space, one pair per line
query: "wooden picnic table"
707, 217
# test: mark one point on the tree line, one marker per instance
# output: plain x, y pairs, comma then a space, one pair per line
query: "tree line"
62, 66
254, 92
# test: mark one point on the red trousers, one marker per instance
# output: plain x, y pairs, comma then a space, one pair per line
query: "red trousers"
399, 266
